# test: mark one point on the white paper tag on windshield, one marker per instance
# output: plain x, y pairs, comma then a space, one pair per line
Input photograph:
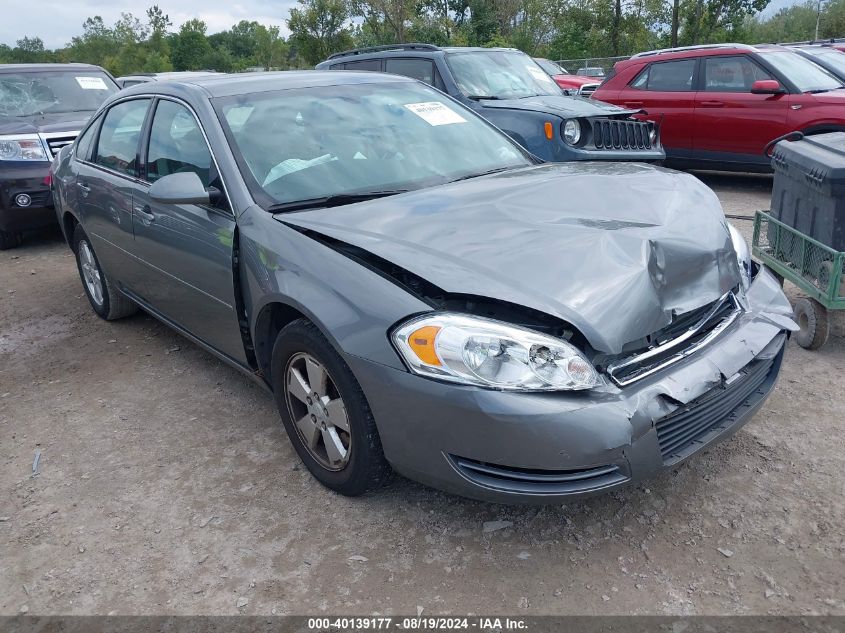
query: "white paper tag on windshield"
435, 113
91, 83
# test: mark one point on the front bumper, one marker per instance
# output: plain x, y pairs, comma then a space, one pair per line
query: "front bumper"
30, 179
515, 447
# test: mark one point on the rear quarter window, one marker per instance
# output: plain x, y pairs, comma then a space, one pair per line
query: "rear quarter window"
363, 64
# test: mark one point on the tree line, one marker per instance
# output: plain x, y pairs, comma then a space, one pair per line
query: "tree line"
558, 29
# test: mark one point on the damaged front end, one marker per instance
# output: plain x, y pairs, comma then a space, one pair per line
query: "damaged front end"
684, 335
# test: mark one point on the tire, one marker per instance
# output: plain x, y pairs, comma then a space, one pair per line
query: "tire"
299, 349
813, 320
108, 302
10, 239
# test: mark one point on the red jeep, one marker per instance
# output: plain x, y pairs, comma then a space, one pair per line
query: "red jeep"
718, 106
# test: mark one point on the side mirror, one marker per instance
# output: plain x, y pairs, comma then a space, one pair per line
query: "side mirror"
767, 87
181, 188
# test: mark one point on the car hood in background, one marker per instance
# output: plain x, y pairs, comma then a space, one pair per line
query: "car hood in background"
617, 264
562, 106
576, 80
47, 122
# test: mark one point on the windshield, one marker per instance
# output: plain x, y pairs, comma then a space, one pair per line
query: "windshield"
551, 67
311, 143
500, 74
830, 57
26, 94
805, 74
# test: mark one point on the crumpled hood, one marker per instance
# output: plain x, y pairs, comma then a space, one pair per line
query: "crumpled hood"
615, 249
562, 106
48, 122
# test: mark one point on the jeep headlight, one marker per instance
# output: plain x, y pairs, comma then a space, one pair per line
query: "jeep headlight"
743, 255
20, 147
477, 351
571, 131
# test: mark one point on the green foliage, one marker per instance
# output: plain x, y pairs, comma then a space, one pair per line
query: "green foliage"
559, 29
317, 29
190, 47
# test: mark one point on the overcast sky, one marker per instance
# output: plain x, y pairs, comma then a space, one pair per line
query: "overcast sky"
56, 21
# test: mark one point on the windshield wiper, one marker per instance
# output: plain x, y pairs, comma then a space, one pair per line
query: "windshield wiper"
481, 97
482, 173
336, 200
820, 90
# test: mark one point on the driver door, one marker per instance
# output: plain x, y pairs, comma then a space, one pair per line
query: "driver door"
187, 249
731, 122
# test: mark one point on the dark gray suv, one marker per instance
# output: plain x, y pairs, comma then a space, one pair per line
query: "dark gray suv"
515, 94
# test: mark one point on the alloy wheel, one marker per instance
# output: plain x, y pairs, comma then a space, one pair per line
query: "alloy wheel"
317, 411
90, 272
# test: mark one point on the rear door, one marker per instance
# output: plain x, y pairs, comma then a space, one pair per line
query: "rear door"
106, 177
731, 122
666, 91
187, 249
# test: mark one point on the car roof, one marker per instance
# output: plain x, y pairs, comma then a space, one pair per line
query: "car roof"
702, 50
224, 85
172, 75
16, 68
406, 50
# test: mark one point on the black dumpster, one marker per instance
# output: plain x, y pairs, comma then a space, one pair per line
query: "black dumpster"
808, 193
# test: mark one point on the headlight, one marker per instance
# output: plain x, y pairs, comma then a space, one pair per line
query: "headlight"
743, 255
22, 148
477, 351
571, 131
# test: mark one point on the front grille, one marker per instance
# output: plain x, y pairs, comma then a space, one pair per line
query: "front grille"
587, 89
532, 481
55, 142
621, 134
691, 426
686, 334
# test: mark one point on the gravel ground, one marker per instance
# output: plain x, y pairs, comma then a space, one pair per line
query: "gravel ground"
166, 485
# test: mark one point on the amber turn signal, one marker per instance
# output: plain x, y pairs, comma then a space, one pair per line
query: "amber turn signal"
421, 341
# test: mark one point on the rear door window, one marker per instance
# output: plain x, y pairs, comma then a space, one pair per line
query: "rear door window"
82, 151
674, 76
117, 147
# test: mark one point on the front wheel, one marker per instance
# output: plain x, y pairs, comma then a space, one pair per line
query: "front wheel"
325, 413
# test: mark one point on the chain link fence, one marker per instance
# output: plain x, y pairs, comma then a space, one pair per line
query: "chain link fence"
585, 63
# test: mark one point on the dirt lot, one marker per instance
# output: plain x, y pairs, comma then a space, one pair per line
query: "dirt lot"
166, 485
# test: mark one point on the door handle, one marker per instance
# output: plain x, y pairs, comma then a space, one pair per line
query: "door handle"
712, 104
85, 189
634, 104
145, 214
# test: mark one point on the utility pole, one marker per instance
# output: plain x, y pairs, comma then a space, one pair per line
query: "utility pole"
818, 19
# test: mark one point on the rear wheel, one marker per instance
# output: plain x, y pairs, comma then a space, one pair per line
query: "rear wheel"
325, 413
106, 300
10, 239
813, 320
